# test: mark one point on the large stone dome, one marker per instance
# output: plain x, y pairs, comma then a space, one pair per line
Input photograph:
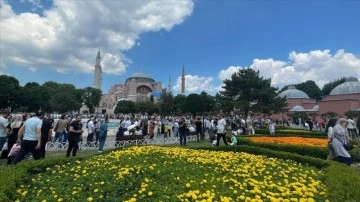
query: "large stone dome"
292, 92
349, 87
141, 77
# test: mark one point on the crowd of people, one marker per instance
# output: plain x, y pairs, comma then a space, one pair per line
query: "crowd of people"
29, 133
26, 135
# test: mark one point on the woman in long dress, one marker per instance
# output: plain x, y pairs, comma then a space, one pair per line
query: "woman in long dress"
340, 138
12, 138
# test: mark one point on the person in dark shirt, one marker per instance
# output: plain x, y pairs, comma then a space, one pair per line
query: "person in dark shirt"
75, 133
198, 127
46, 131
182, 132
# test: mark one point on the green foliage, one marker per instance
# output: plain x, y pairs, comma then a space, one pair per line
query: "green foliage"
9, 92
193, 104
91, 98
309, 87
178, 103
208, 102
166, 102
250, 92
328, 87
125, 107
146, 107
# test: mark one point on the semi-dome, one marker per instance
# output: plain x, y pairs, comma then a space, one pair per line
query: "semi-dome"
349, 87
292, 92
297, 108
141, 77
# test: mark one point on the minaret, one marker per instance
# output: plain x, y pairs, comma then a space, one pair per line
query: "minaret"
169, 84
98, 72
183, 81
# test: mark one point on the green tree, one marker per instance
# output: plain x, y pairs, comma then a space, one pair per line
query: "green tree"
9, 92
34, 97
309, 87
125, 106
166, 102
178, 103
146, 107
67, 98
193, 104
208, 102
91, 98
250, 92
328, 87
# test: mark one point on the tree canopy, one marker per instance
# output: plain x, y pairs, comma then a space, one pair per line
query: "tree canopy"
250, 92
91, 98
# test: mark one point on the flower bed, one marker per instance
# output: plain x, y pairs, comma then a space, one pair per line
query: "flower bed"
319, 142
153, 173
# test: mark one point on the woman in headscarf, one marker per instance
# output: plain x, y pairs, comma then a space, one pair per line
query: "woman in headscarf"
340, 138
12, 138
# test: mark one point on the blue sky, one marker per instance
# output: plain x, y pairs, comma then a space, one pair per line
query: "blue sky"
288, 41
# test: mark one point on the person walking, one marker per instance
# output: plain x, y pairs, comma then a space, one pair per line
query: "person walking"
339, 139
103, 133
221, 133
60, 128
46, 131
3, 128
329, 130
31, 142
75, 133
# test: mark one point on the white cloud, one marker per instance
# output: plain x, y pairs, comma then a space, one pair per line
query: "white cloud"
320, 66
67, 36
196, 84
227, 73
33, 69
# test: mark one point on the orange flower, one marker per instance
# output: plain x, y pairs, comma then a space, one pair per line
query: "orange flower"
292, 140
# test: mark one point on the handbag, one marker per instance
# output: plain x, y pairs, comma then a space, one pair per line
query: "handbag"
14, 150
348, 146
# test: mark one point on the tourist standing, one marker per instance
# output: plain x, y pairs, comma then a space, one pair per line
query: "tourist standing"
31, 141
46, 131
182, 132
91, 130
221, 133
75, 133
329, 130
198, 128
351, 128
103, 133
60, 128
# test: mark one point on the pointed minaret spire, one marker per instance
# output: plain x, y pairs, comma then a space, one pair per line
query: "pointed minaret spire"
183, 81
98, 72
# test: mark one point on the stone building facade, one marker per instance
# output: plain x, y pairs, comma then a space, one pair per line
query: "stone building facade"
137, 88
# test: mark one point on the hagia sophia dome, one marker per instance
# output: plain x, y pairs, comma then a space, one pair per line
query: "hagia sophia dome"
292, 92
141, 77
351, 86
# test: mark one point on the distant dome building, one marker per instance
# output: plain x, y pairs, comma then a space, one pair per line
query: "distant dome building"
293, 93
351, 86
343, 98
136, 88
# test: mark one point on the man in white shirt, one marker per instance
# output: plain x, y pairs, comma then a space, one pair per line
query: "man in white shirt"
31, 142
221, 124
351, 128
91, 130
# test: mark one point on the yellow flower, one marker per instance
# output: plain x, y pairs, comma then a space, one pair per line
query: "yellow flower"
150, 193
90, 199
187, 185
